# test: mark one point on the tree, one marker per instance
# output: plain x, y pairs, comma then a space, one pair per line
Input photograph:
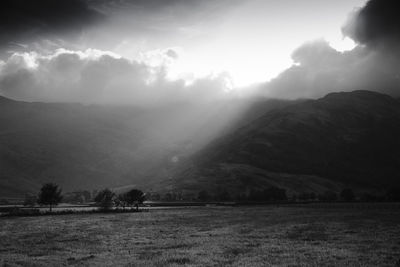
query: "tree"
134, 197
347, 194
121, 201
105, 199
50, 195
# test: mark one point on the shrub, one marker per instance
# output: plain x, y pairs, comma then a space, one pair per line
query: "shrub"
132, 197
105, 199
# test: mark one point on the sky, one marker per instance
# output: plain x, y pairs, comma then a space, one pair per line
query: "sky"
151, 51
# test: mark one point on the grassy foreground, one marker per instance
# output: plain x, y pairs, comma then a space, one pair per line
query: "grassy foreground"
207, 236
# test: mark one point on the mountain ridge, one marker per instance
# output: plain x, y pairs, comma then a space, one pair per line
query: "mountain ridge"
348, 138
92, 146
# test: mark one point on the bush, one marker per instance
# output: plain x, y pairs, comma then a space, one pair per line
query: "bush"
105, 199
132, 197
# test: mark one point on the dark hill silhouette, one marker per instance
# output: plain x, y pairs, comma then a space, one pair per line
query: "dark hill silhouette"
340, 139
91, 146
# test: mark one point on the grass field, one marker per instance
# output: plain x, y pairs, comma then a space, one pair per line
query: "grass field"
208, 236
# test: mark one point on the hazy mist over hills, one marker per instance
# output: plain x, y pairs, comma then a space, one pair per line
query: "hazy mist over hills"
179, 96
342, 139
89, 147
200, 133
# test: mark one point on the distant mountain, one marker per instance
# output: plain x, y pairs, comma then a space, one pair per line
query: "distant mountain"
73, 145
343, 139
91, 146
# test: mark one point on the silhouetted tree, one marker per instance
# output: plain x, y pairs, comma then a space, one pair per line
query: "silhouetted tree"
134, 197
347, 194
121, 201
50, 195
105, 199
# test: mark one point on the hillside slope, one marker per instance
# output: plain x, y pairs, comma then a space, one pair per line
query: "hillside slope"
91, 147
342, 139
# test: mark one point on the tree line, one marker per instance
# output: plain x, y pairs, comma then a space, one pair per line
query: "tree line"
51, 195
107, 199
277, 194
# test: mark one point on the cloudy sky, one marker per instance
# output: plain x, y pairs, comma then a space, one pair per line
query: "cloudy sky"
151, 51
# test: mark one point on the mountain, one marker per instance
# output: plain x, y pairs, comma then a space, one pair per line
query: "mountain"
71, 145
92, 146
340, 140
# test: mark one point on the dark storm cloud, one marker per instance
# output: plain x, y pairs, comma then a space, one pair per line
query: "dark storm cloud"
373, 65
376, 23
153, 18
319, 69
174, 7
45, 25
25, 20
143, 5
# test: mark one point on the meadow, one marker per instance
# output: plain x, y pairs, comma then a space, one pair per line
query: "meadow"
303, 235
